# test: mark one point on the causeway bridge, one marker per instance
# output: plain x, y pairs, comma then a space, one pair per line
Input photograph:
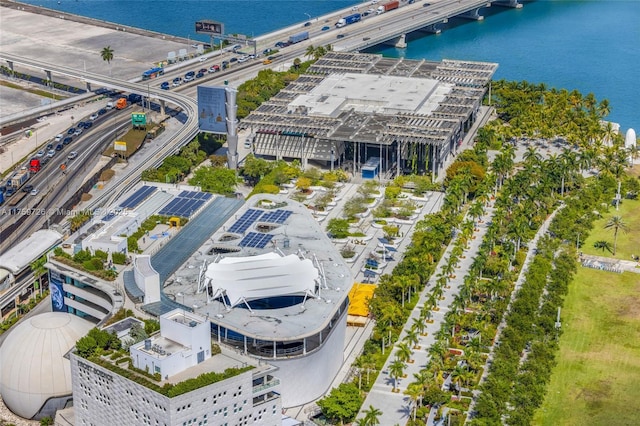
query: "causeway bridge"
391, 27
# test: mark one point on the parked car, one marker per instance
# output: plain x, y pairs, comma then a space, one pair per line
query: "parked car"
326, 28
203, 71
9, 192
59, 137
78, 132
340, 36
102, 111
93, 116
307, 24
214, 68
70, 131
199, 75
40, 153
81, 125
49, 146
67, 140
59, 147
87, 124
234, 59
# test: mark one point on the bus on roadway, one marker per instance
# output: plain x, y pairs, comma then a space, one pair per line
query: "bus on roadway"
152, 73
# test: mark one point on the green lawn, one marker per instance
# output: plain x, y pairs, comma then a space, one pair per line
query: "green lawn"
597, 378
627, 241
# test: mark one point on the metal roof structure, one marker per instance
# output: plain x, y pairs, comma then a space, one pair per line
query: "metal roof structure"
28, 250
207, 274
353, 97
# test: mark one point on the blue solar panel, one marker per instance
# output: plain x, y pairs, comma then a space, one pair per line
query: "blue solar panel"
182, 206
256, 239
108, 217
139, 196
277, 216
245, 221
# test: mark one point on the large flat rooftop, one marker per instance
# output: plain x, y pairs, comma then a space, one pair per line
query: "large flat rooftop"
241, 236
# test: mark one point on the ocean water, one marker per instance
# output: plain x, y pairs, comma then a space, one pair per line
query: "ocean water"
592, 46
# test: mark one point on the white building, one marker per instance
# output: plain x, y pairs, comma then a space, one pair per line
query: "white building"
275, 288
221, 389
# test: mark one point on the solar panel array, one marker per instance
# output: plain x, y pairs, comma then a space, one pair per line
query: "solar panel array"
245, 221
195, 195
276, 216
255, 239
185, 204
139, 196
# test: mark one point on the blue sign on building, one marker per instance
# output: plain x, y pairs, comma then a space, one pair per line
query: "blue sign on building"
57, 293
212, 114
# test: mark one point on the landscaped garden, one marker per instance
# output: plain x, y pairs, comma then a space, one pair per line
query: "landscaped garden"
602, 240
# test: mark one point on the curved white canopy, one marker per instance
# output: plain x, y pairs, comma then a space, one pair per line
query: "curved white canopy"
257, 277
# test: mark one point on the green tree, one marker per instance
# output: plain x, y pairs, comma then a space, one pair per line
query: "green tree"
372, 416
107, 55
86, 346
396, 370
342, 404
617, 224
218, 180
338, 228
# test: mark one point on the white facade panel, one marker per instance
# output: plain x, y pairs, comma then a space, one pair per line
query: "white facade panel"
306, 378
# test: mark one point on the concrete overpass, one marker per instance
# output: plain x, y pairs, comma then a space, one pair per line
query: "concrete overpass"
182, 137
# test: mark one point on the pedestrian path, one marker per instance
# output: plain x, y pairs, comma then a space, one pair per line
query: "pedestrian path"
395, 406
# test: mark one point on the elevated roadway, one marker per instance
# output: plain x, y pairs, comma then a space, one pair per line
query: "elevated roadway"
187, 104
391, 27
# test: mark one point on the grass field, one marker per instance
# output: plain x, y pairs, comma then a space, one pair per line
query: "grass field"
627, 241
597, 378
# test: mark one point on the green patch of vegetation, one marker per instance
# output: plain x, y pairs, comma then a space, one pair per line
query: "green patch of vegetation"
85, 261
98, 343
627, 241
598, 363
175, 167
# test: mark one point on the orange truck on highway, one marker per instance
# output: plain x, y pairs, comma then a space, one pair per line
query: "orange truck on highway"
121, 103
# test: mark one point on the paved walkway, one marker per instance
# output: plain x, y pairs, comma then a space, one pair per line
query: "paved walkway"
609, 263
395, 406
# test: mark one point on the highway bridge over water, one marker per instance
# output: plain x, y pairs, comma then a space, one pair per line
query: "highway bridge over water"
393, 26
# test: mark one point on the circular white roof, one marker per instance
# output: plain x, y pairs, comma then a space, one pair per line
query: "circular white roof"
32, 367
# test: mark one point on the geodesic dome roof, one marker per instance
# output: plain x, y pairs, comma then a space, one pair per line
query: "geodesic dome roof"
32, 364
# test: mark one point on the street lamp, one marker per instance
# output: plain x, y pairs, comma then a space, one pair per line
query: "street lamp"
308, 16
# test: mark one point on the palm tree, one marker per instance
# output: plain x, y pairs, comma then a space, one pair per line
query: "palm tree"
457, 377
38, 269
396, 370
418, 324
412, 337
415, 393
404, 352
371, 416
617, 224
310, 51
107, 55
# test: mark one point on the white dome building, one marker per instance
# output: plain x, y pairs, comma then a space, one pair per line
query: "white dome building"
630, 138
35, 378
